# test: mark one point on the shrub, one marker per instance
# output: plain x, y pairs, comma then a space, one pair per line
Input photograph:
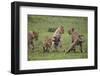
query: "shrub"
51, 29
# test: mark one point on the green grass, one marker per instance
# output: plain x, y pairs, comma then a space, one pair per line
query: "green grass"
41, 24
56, 55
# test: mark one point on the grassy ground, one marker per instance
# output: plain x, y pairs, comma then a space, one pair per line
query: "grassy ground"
56, 55
41, 24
